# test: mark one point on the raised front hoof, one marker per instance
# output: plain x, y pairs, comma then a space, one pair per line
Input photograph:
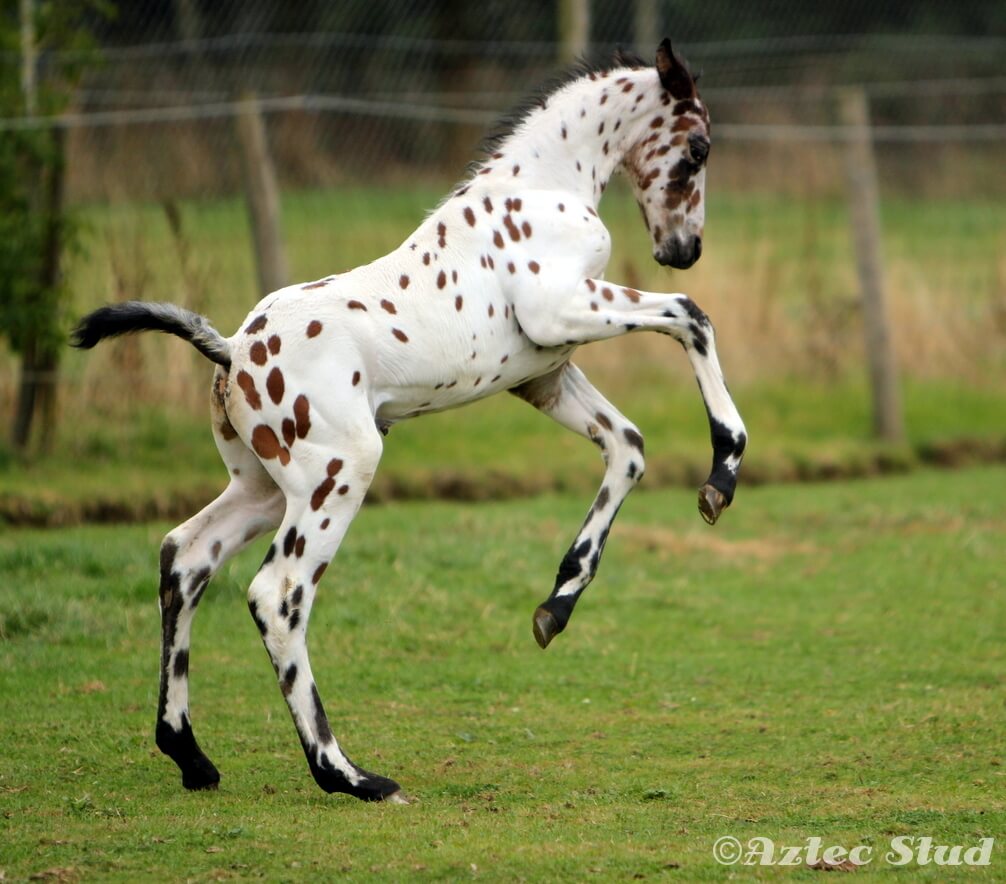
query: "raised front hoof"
545, 627
711, 503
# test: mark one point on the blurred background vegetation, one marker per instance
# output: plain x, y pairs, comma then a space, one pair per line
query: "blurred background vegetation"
124, 175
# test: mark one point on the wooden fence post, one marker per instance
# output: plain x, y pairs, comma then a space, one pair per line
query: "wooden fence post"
864, 214
574, 29
262, 196
646, 27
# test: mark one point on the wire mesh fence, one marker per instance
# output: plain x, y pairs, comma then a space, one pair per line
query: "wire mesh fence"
372, 109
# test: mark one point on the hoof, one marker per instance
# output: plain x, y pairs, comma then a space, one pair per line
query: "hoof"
711, 503
200, 775
545, 627
397, 798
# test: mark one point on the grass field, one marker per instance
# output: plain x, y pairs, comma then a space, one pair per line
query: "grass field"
827, 661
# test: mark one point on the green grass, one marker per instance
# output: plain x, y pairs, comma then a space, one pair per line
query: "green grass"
143, 462
828, 661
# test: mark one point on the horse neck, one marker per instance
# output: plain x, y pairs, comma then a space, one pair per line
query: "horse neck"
580, 137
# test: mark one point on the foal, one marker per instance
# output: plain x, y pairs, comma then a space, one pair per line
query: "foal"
493, 292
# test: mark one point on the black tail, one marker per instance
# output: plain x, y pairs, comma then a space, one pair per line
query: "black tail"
134, 316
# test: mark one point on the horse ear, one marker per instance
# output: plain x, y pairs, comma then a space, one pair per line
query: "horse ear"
674, 76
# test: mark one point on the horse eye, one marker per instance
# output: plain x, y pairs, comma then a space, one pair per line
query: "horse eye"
698, 146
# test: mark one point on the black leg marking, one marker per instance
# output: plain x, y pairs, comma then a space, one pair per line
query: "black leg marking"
371, 786
181, 667
180, 746
321, 725
725, 446
197, 770
289, 679
269, 556
634, 439
259, 622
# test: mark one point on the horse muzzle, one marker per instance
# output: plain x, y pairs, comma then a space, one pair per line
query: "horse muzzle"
679, 253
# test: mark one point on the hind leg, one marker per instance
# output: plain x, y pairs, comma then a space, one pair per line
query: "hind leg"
190, 555
569, 398
325, 484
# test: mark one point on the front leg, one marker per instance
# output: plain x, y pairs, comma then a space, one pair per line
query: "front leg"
569, 398
553, 314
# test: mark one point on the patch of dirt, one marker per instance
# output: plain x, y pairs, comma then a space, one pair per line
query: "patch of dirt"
675, 544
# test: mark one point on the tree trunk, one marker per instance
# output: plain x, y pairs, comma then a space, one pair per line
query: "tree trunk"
37, 391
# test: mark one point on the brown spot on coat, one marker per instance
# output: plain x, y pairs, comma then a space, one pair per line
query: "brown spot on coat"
497, 239
533, 266
314, 328
356, 305
403, 281
631, 294
603, 420
321, 493
275, 386
318, 572
442, 234
469, 216
274, 344
607, 294
441, 279
302, 415
314, 285
258, 353
356, 378
458, 303
426, 258
266, 445
526, 229
402, 336
488, 203
256, 325
226, 430
247, 384
388, 306
289, 431
511, 228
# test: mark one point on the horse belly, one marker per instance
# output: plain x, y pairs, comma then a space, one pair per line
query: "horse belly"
478, 362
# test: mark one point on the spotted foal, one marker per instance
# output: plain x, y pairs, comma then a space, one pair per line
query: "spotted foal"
493, 292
